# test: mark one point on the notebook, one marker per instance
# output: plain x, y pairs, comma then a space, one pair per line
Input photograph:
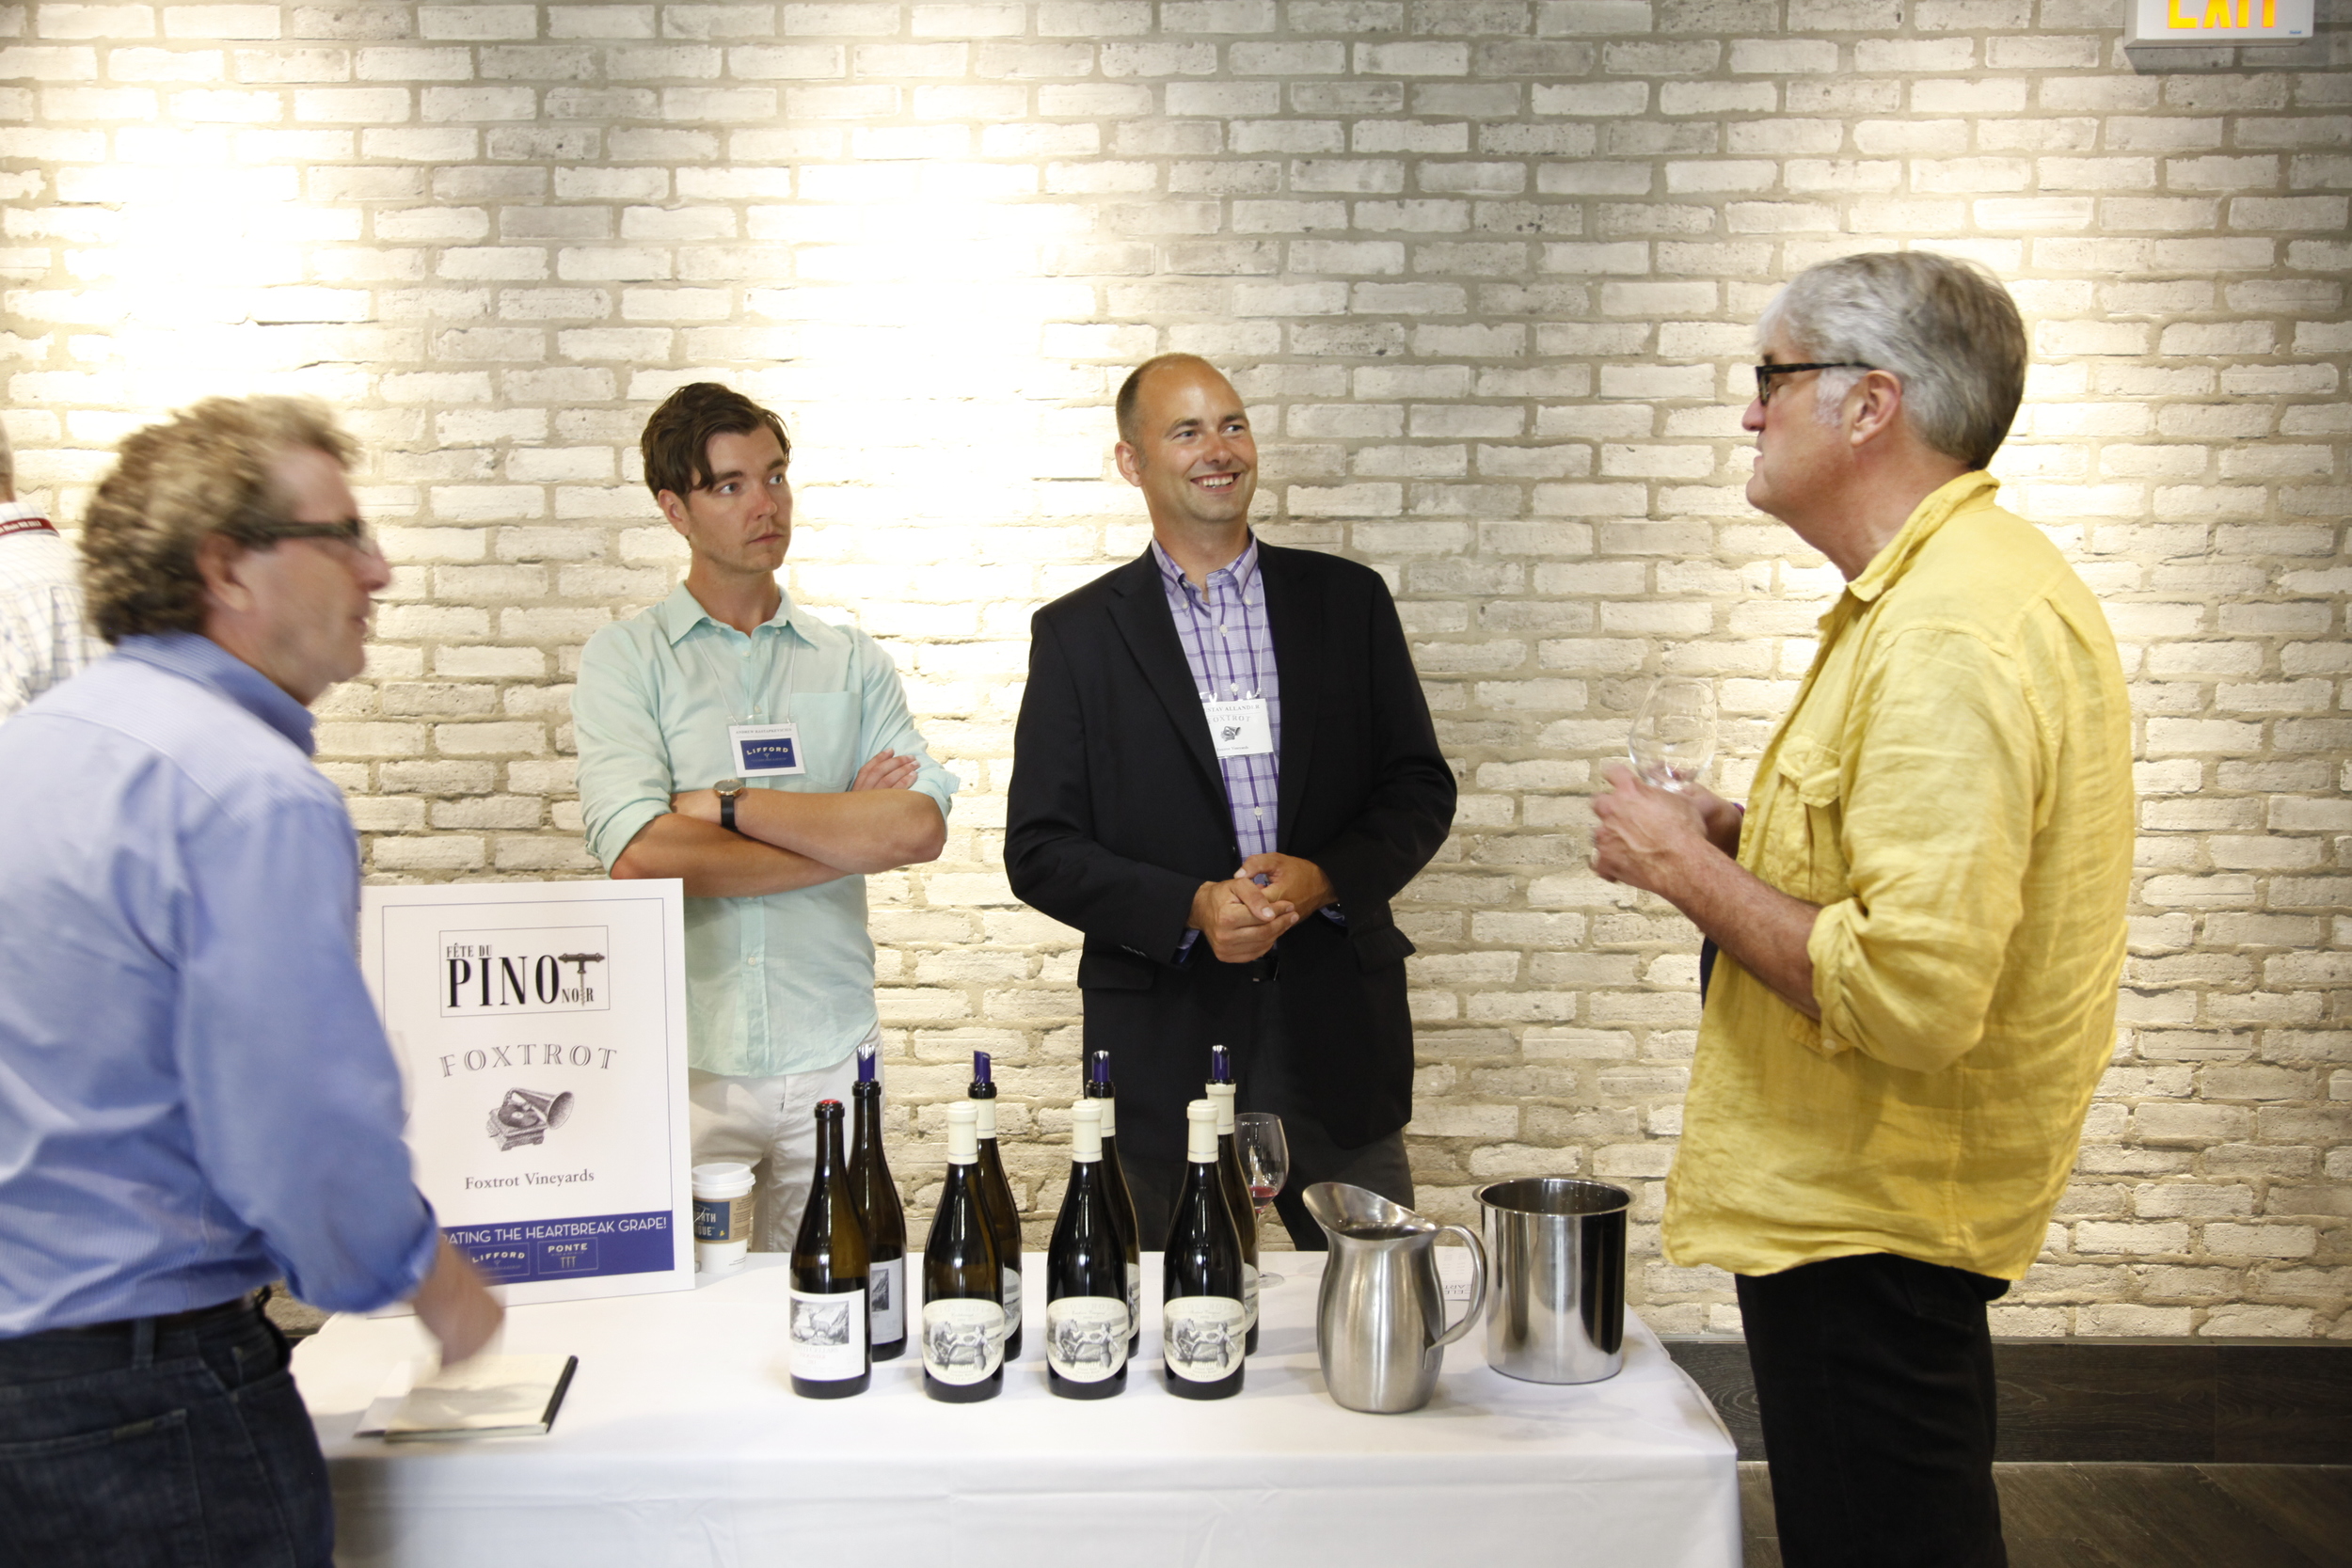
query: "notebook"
490, 1396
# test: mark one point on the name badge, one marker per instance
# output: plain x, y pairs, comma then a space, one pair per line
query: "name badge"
764, 750
1240, 728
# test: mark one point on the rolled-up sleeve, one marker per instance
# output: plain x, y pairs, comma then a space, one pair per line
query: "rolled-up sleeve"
294, 1100
1939, 782
625, 779
885, 722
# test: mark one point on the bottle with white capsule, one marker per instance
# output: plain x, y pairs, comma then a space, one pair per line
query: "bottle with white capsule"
963, 1331
1086, 1274
1202, 1322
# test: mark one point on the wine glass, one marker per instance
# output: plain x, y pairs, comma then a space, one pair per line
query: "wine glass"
1673, 734
1265, 1164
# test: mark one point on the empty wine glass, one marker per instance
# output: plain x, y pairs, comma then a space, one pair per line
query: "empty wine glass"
1265, 1164
1673, 734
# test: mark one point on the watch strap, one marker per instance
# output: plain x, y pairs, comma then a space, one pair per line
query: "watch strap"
726, 811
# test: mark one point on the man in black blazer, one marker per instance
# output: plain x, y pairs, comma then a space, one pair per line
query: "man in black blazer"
1224, 770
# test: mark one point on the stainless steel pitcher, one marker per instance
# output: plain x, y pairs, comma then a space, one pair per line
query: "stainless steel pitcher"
1380, 1327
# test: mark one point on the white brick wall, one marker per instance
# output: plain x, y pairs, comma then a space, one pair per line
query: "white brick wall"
1486, 271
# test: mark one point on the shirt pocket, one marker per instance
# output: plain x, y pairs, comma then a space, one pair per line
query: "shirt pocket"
1802, 857
829, 722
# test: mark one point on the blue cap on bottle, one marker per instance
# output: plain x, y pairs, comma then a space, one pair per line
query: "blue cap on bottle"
1100, 1072
1220, 1064
979, 1067
865, 1054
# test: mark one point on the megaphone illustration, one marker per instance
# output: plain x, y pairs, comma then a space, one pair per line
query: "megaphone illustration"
525, 1116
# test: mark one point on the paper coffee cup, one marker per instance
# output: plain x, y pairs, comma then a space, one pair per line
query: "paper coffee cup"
722, 1215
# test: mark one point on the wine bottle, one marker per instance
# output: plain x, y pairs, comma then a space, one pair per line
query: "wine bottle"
1221, 1093
963, 1312
831, 1284
1098, 1087
1201, 1326
885, 1218
997, 1201
1086, 1274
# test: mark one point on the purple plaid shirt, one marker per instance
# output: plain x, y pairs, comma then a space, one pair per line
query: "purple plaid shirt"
1230, 648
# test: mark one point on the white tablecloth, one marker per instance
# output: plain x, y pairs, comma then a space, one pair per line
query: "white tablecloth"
681, 1443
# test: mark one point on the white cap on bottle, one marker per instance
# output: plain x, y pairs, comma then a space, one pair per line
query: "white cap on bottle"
963, 1133
1221, 1096
1086, 1132
1200, 1132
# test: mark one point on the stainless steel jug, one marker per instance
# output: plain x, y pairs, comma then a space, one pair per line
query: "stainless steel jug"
1559, 1266
1380, 1327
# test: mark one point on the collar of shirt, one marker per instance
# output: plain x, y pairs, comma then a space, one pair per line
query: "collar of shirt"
199, 659
1887, 568
681, 613
17, 512
1242, 571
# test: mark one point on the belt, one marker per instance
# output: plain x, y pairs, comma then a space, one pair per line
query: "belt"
197, 1316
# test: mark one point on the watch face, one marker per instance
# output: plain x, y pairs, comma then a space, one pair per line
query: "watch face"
729, 787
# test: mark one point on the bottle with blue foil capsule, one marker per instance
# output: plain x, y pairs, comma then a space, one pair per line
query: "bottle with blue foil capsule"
1123, 1202
1004, 1220
885, 1218
1236, 1185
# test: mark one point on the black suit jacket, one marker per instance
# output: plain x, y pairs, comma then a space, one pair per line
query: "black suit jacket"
1117, 814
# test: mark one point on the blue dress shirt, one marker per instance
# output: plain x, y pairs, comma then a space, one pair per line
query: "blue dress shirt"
195, 1092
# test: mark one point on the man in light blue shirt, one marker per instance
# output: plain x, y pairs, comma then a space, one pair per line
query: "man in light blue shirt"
195, 1095
731, 740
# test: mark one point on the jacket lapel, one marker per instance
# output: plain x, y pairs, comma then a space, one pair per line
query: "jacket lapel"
1295, 615
1139, 611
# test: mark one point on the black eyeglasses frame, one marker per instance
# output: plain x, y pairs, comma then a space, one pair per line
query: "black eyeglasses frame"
1764, 373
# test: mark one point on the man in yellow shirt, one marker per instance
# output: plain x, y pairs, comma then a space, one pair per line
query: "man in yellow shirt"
1920, 918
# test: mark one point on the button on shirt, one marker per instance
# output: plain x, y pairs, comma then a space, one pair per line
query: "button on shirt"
42, 641
1229, 646
196, 1094
1953, 788
782, 983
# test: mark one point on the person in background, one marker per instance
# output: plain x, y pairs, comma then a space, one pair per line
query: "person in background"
1920, 916
196, 1097
730, 739
1224, 770
42, 641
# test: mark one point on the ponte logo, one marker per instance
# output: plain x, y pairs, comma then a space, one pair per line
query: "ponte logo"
554, 969
2207, 22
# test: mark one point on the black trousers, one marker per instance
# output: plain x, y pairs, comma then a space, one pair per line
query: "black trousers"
1261, 1083
1874, 1378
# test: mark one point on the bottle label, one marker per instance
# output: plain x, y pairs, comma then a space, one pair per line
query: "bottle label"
1086, 1337
828, 1334
1249, 1293
964, 1340
1134, 1296
723, 1219
1012, 1301
890, 1301
1202, 1337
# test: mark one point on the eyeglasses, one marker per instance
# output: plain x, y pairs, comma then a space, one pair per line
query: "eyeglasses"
351, 531
1764, 373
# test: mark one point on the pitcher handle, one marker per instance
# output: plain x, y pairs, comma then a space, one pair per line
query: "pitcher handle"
1478, 1285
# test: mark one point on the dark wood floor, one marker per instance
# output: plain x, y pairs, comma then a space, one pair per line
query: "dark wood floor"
2143, 1515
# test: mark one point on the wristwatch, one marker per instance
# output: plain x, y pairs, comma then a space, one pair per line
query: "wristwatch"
727, 790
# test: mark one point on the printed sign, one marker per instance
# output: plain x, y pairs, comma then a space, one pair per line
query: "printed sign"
2207, 22
541, 1030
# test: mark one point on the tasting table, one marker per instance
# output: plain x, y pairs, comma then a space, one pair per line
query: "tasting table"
681, 1443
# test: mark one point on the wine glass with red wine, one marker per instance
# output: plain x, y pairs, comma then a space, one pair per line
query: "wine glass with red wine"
1265, 1164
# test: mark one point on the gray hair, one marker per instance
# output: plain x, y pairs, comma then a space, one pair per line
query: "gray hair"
1945, 327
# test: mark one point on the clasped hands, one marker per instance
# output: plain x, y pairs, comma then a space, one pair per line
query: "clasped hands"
884, 769
1241, 918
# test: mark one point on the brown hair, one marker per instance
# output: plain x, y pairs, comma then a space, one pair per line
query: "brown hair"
1131, 389
676, 443
204, 471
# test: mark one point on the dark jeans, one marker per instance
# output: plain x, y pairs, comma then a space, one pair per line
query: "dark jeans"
171, 1443
1874, 1379
1262, 1082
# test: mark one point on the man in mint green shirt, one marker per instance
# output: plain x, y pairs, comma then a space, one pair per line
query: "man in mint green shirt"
766, 758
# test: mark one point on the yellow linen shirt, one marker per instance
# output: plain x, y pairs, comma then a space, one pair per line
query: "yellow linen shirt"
1953, 787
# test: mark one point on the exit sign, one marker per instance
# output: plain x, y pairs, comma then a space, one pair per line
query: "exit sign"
2208, 22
